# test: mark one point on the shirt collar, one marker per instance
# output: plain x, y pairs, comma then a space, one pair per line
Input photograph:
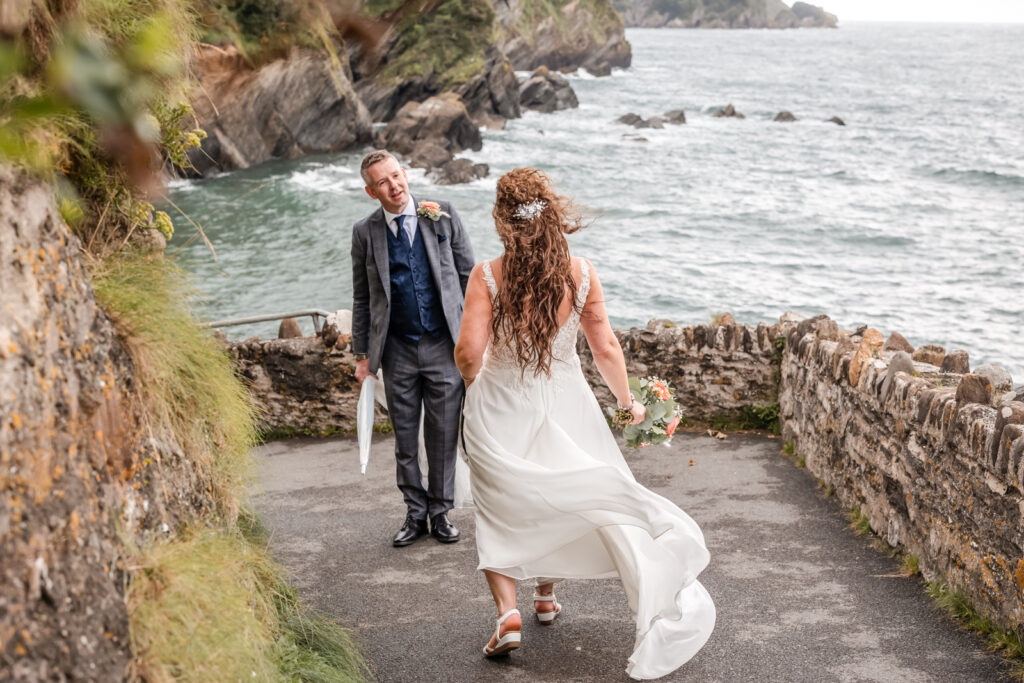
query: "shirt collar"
409, 210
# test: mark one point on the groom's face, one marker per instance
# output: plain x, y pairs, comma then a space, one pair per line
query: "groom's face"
388, 185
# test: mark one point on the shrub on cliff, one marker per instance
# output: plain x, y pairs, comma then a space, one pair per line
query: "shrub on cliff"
445, 43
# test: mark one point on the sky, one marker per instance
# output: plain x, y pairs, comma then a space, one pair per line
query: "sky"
988, 11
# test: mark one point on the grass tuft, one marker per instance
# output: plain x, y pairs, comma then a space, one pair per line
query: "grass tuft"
909, 566
186, 380
1001, 640
859, 522
211, 605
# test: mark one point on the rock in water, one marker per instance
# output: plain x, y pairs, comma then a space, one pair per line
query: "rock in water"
728, 111
420, 130
547, 91
836, 120
676, 116
640, 122
289, 329
784, 117
459, 171
932, 354
956, 361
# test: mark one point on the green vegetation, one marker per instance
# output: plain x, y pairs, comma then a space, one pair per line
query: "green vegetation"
446, 44
269, 435
752, 417
93, 101
186, 380
909, 565
212, 606
999, 639
537, 11
859, 522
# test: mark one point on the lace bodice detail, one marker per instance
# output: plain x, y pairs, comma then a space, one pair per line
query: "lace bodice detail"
563, 348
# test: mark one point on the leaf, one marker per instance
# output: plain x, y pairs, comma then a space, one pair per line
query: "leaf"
634, 384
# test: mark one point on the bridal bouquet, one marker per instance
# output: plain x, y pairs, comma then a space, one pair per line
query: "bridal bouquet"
663, 414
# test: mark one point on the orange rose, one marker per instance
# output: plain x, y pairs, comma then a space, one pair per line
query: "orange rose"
671, 428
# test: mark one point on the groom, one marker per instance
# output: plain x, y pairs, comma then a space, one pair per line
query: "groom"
410, 266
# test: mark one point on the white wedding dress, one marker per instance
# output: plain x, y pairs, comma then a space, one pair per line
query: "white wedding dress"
555, 500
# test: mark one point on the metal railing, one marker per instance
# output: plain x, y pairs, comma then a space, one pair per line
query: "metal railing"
314, 313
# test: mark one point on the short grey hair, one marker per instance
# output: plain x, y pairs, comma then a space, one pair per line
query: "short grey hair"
374, 157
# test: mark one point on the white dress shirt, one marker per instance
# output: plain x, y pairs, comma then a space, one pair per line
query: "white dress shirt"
409, 223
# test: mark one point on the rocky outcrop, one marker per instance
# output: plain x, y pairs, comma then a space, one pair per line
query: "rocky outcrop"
811, 16
459, 171
727, 14
638, 121
784, 117
729, 112
547, 91
81, 475
490, 92
432, 132
564, 34
302, 104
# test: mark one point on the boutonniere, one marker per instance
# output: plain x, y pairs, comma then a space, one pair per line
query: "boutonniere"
431, 210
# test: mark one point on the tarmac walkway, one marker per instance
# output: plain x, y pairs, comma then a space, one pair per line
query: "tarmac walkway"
799, 596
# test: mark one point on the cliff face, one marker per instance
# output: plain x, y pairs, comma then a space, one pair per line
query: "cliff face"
81, 475
562, 34
723, 14
302, 104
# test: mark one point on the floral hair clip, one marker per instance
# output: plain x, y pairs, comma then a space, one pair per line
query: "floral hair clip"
530, 210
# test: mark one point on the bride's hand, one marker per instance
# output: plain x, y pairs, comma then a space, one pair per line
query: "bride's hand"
639, 412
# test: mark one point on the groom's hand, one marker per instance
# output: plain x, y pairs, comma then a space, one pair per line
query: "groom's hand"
363, 370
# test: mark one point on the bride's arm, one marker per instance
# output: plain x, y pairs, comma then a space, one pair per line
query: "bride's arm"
476, 326
605, 346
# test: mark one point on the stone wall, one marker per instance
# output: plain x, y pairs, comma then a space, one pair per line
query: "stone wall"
932, 458
717, 370
302, 385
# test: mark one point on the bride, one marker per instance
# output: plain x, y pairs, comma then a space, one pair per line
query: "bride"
554, 497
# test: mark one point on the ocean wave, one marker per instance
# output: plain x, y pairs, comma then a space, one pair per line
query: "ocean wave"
975, 177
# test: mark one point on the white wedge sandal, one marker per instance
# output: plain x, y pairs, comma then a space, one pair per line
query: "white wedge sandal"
507, 642
547, 618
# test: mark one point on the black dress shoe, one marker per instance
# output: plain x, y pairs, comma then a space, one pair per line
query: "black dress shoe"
442, 529
410, 531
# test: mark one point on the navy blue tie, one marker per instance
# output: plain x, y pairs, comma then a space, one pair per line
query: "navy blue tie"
399, 221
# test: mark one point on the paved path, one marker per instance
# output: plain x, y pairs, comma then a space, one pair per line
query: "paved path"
799, 596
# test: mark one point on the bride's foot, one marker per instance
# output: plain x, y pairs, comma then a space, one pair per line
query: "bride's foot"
506, 636
546, 607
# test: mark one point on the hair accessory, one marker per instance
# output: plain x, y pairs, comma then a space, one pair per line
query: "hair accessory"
530, 210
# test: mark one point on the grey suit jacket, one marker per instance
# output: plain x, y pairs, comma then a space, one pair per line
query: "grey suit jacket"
451, 260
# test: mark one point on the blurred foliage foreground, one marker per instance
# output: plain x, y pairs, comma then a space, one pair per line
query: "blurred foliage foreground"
93, 100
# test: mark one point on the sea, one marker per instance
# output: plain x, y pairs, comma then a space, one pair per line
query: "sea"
909, 218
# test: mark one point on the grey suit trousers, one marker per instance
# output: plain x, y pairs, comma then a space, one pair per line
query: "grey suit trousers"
423, 377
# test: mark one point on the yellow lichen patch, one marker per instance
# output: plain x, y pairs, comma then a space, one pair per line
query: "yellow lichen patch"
16, 420
1019, 574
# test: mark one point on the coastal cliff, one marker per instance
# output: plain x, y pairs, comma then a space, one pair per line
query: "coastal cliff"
297, 97
723, 14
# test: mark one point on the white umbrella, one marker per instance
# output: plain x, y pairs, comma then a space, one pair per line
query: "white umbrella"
364, 420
